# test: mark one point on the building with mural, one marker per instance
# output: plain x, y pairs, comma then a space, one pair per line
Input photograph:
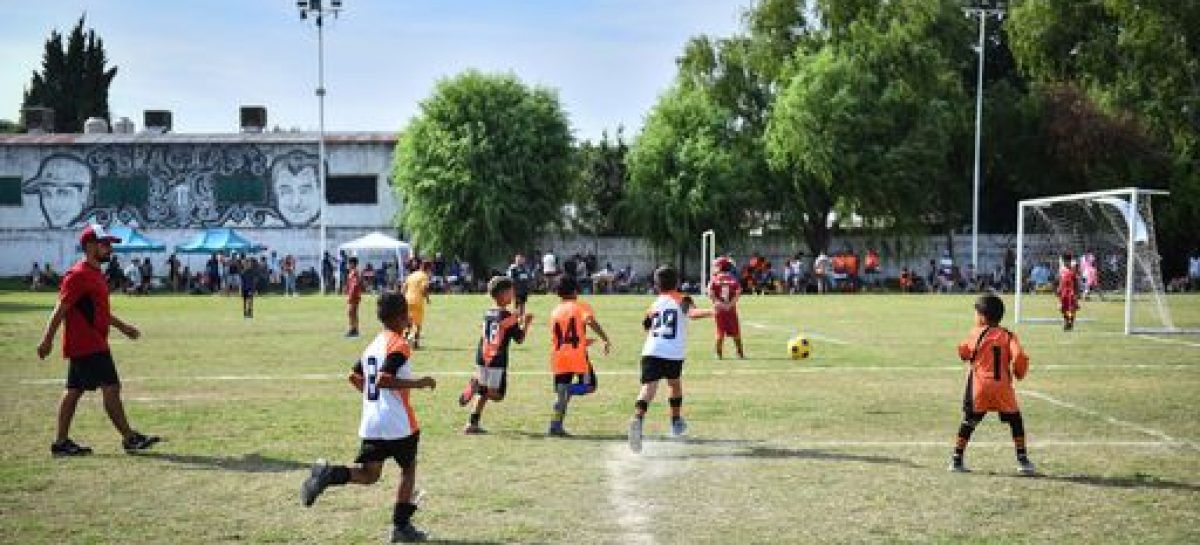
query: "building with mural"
171, 186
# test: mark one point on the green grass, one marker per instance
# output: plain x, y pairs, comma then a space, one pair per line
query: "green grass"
849, 446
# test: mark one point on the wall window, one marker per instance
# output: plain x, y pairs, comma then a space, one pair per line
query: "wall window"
355, 189
122, 191
240, 190
10, 191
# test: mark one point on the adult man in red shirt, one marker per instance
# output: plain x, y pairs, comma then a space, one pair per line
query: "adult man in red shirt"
83, 305
724, 290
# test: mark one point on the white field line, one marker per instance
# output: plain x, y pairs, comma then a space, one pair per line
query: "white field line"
950, 443
1110, 419
730, 371
633, 515
1168, 340
811, 334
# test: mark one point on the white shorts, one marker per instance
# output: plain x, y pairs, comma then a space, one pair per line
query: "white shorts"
490, 377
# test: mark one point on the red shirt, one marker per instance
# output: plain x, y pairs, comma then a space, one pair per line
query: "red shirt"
724, 287
84, 293
1066, 282
353, 286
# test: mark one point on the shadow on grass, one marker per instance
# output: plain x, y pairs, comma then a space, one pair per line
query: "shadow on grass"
464, 541
621, 438
245, 463
9, 306
1139, 481
775, 453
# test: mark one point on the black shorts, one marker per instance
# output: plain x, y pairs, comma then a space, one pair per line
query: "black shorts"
655, 369
570, 378
92, 371
403, 451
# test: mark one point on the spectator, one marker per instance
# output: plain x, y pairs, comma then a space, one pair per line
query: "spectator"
147, 275
794, 277
35, 277
391, 275
906, 280
1040, 277
550, 269
233, 275
368, 275
273, 273
439, 272
1010, 266
468, 279
213, 269
822, 266
173, 272
931, 276
288, 270
871, 268
133, 277
522, 280
327, 273
1194, 271
49, 277
851, 262
340, 281
115, 274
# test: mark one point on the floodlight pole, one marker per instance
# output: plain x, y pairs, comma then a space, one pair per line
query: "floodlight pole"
982, 13
318, 8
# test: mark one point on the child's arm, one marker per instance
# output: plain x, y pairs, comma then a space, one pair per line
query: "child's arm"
1020, 358
521, 328
689, 308
387, 380
356, 376
592, 323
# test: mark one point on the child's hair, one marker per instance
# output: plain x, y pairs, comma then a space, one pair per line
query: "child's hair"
991, 308
426, 265
391, 305
567, 287
666, 278
353, 261
498, 285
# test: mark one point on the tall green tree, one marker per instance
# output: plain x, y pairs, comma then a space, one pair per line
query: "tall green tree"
481, 170
684, 173
600, 186
74, 80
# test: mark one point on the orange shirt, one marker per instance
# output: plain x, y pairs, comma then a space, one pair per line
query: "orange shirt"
568, 336
996, 358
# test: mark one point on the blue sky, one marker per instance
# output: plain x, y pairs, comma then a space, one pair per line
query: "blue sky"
608, 59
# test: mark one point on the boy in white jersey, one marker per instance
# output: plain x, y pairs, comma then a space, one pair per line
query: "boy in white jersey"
664, 351
389, 426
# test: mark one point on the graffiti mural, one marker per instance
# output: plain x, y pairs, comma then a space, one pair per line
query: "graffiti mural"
178, 185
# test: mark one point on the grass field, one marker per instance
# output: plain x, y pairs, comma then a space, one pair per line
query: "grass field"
850, 446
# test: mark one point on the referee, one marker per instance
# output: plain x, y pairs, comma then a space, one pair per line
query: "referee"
83, 306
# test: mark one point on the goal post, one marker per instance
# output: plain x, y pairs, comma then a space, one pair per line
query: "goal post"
1111, 236
708, 253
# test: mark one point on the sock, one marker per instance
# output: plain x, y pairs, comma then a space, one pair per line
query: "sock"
402, 514
640, 408
475, 419
339, 475
964, 436
676, 404
1017, 424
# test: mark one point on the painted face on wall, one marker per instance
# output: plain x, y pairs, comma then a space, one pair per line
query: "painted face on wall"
62, 184
297, 193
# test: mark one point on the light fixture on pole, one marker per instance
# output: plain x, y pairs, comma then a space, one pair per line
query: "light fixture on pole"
982, 13
318, 9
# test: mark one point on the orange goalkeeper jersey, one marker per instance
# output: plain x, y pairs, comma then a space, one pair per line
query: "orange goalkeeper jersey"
996, 359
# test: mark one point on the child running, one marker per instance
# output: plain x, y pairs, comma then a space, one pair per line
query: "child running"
500, 326
995, 357
573, 372
389, 425
663, 352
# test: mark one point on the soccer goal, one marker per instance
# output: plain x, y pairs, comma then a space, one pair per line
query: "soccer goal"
1111, 236
708, 253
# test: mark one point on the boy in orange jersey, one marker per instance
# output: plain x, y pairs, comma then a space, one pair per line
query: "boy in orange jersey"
1068, 293
995, 358
500, 327
389, 428
573, 372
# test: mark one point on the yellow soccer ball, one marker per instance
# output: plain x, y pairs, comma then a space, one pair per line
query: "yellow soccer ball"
799, 347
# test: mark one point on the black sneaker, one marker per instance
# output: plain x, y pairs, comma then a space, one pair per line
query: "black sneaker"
67, 447
317, 481
408, 534
138, 442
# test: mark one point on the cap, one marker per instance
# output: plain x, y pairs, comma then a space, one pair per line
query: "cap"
95, 233
722, 263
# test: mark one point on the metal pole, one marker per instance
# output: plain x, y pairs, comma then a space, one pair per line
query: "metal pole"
321, 174
978, 139
1020, 277
1131, 220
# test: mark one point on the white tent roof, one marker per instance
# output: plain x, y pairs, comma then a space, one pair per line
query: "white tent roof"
376, 241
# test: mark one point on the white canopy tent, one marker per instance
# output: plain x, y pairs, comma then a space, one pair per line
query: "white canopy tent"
379, 242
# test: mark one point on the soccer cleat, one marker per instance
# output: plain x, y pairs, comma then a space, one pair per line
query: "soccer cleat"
138, 442
635, 434
957, 466
557, 430
473, 429
408, 534
1025, 467
67, 447
678, 427
317, 481
352, 334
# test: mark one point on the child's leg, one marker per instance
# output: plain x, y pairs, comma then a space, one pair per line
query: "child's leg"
66, 412
737, 343
562, 397
675, 387
645, 396
719, 345
965, 429
1017, 425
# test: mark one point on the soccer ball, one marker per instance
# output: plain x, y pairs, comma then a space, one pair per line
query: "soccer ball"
799, 348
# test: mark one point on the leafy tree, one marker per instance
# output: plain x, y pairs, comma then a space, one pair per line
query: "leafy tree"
8, 126
74, 80
683, 172
600, 186
484, 167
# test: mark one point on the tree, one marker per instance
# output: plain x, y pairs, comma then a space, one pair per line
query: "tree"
8, 126
73, 81
683, 172
481, 171
600, 188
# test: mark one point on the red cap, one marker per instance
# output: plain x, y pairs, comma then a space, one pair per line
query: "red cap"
95, 233
722, 263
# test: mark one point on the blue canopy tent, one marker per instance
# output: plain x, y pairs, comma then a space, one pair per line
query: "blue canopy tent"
219, 240
133, 241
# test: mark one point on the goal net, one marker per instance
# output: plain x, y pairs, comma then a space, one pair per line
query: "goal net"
1110, 235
